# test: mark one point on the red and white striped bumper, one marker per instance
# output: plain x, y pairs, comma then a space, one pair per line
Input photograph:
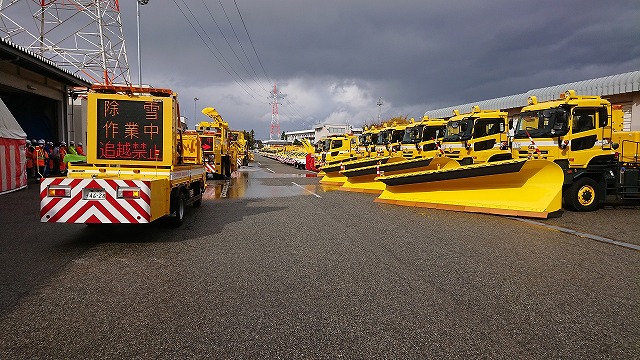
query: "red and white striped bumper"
210, 167
74, 207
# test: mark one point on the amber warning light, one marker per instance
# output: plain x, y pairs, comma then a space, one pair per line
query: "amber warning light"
59, 191
128, 193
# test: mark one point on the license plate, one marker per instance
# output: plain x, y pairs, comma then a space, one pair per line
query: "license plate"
94, 194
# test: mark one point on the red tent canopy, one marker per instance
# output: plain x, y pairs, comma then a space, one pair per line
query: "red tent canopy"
13, 175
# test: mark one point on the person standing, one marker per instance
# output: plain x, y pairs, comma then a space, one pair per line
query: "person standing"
62, 152
42, 157
79, 149
28, 152
50, 163
72, 148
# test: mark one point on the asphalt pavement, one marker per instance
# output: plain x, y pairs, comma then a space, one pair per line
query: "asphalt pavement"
273, 265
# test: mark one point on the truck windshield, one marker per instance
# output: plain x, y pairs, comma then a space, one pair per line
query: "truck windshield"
541, 123
364, 139
433, 132
326, 144
372, 138
396, 136
458, 130
412, 135
384, 137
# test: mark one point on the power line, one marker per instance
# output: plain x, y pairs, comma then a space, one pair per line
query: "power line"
228, 43
213, 53
241, 47
250, 41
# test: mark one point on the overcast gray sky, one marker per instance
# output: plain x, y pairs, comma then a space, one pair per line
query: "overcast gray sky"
335, 58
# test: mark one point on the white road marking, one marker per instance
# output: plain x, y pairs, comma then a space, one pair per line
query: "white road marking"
582, 234
225, 189
273, 172
312, 193
258, 163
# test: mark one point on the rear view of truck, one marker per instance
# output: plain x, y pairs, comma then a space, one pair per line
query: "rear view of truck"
140, 166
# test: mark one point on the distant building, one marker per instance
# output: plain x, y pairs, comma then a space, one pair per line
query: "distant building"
620, 89
322, 130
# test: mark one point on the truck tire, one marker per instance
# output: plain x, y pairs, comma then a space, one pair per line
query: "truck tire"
228, 166
178, 206
583, 195
198, 191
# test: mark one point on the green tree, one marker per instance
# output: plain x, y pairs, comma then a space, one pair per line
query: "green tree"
250, 137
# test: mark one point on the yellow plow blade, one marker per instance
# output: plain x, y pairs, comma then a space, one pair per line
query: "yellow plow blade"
364, 179
332, 175
528, 188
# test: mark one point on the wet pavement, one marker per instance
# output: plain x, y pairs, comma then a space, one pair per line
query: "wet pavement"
272, 265
258, 182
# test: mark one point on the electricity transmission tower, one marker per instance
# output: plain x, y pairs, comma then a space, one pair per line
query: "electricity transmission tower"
275, 117
83, 37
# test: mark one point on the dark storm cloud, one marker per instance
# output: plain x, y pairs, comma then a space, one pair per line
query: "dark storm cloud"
334, 58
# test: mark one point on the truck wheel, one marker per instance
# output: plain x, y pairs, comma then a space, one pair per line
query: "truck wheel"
198, 202
583, 195
178, 208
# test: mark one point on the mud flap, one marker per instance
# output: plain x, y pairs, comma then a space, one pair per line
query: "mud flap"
527, 188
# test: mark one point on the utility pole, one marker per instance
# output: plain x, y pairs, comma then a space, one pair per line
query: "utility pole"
379, 108
138, 3
195, 111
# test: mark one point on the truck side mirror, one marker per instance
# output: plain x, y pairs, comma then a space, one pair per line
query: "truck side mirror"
501, 127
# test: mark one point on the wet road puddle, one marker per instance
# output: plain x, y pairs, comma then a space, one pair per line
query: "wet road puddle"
261, 183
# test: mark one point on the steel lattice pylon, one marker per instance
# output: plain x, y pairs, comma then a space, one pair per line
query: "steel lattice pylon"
274, 130
84, 37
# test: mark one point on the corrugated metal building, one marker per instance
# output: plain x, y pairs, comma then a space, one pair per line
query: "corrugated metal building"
37, 93
620, 89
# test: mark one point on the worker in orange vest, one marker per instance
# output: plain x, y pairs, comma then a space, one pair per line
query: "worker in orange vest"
28, 152
42, 157
63, 152
79, 149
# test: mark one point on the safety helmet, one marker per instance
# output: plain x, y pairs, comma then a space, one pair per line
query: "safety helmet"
80, 143
62, 143
71, 142
41, 142
28, 142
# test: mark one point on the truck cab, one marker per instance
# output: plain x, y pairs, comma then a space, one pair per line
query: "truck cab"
336, 148
367, 141
572, 131
584, 136
422, 139
477, 137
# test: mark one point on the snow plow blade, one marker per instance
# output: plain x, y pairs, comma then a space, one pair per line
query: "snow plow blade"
526, 188
364, 179
332, 175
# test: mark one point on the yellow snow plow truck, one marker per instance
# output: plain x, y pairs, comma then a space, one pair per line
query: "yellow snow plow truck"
141, 164
584, 136
215, 137
477, 137
572, 149
421, 151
